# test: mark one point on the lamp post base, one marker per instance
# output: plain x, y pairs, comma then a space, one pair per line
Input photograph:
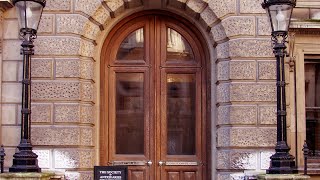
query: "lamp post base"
25, 160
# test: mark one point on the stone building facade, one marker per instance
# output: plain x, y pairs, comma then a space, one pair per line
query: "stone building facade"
66, 80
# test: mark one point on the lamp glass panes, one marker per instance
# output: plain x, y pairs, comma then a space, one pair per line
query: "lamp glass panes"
29, 14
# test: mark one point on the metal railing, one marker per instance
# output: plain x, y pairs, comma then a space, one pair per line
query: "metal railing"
306, 151
2, 155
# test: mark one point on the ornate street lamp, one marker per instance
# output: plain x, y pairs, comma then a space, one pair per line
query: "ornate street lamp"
279, 12
29, 14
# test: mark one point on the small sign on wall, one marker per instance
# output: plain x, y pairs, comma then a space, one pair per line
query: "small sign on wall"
110, 173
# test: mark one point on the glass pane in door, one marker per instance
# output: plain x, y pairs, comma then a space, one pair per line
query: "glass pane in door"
129, 113
132, 47
181, 113
178, 47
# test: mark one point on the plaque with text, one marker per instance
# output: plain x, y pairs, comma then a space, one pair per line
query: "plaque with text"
110, 173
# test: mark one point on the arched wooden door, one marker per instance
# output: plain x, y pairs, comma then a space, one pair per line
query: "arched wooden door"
153, 100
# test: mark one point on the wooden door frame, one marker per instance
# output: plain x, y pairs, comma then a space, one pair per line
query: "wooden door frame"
206, 86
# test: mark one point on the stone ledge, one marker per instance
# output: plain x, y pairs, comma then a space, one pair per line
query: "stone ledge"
282, 176
27, 176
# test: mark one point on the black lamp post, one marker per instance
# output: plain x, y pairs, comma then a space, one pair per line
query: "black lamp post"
279, 12
29, 14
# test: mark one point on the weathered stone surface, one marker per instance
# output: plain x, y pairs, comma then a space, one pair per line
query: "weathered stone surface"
237, 115
223, 92
114, 5
267, 70
41, 113
246, 137
10, 29
91, 30
10, 135
208, 16
264, 26
9, 156
67, 68
265, 159
9, 70
42, 68
223, 50
87, 115
70, 23
223, 72
11, 92
196, 5
46, 24
235, 26
73, 158
80, 175
87, 91
85, 7
252, 92
87, 48
244, 70
57, 45
67, 113
231, 176
223, 7
44, 158
267, 114
300, 13
86, 69
44, 135
218, 32
239, 159
87, 136
8, 114
251, 6
53, 90
11, 50
315, 13
250, 48
58, 5
101, 15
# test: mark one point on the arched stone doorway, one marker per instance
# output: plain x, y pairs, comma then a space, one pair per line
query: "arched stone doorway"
154, 98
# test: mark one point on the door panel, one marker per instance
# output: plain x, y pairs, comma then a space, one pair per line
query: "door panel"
153, 100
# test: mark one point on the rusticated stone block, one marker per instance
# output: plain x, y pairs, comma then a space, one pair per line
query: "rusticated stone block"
196, 5
250, 48
41, 68
267, 70
237, 115
223, 7
44, 158
252, 92
8, 114
79, 175
264, 26
67, 68
86, 70
10, 71
239, 159
41, 113
218, 32
87, 136
265, 159
10, 135
246, 137
46, 24
87, 91
234, 26
230, 176
70, 23
114, 5
315, 13
58, 5
55, 135
91, 30
57, 46
223, 50
251, 6
73, 158
87, 114
267, 115
87, 8
87, 48
243, 70
301, 13
52, 90
208, 16
101, 15
10, 29
9, 156
223, 93
223, 72
11, 92
67, 113
11, 50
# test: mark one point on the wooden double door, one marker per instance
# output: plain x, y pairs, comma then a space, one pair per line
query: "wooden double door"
153, 100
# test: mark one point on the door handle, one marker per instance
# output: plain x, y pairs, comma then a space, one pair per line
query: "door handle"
161, 163
149, 163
